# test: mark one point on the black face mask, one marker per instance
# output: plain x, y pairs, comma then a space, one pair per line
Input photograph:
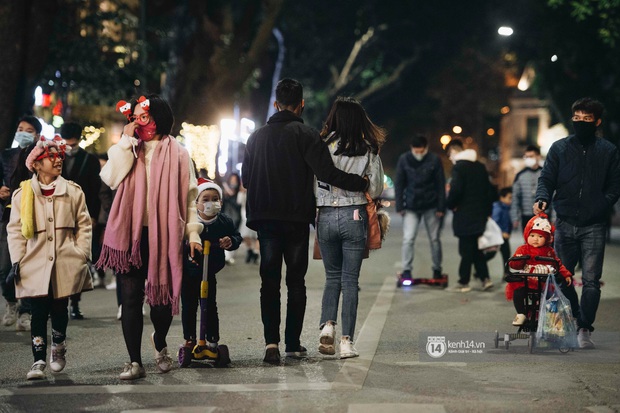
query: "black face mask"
585, 131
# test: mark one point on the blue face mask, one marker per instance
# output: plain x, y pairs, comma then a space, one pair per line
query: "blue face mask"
24, 139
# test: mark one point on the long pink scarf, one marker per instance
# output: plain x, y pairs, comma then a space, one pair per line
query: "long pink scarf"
168, 190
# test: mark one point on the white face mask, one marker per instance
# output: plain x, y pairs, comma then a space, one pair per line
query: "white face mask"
23, 138
529, 162
420, 156
209, 209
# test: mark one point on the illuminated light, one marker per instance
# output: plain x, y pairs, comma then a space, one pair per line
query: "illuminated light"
136, 82
57, 121
246, 127
202, 142
505, 31
445, 139
524, 84
490, 131
457, 129
38, 96
120, 63
554, 58
505, 110
90, 135
407, 282
469, 140
120, 49
51, 83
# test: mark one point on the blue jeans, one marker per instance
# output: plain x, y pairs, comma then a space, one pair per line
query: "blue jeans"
411, 225
342, 240
289, 241
586, 245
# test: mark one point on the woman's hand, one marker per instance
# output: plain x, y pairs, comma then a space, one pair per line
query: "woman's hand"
193, 247
130, 128
569, 280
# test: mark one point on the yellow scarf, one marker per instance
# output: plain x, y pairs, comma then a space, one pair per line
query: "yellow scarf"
27, 209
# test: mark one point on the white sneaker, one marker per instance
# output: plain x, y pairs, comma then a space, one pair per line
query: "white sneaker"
111, 286
584, 339
519, 320
23, 322
460, 288
162, 358
132, 371
57, 357
487, 284
36, 371
119, 313
346, 348
326, 339
10, 315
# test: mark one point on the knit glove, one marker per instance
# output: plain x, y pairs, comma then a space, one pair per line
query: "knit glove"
539, 269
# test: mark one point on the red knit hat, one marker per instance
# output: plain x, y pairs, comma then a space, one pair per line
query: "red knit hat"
204, 184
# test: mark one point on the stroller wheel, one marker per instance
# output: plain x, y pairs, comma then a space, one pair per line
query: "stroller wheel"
564, 349
223, 357
185, 356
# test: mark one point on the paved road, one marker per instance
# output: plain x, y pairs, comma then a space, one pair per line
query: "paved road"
393, 374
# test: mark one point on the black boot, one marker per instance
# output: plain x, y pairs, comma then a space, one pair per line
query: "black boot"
248, 256
76, 314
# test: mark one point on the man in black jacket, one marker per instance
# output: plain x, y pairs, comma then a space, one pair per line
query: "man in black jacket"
279, 165
584, 173
471, 198
82, 168
420, 195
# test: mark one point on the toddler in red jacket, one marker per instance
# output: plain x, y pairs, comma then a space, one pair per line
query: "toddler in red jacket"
538, 236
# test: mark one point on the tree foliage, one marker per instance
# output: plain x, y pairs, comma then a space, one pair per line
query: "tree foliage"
605, 12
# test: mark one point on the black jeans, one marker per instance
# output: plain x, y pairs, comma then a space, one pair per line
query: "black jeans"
42, 309
132, 291
470, 254
288, 240
190, 298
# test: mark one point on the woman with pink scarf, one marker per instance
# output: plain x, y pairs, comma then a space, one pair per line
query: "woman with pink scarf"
153, 211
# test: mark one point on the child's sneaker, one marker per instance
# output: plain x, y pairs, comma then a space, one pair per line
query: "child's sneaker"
346, 348
162, 358
132, 371
326, 339
57, 357
519, 320
36, 371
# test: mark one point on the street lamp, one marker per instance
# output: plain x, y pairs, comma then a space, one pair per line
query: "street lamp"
505, 31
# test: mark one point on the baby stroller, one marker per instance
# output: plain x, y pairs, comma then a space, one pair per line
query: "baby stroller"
527, 331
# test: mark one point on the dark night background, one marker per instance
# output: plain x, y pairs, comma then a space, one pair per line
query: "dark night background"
418, 67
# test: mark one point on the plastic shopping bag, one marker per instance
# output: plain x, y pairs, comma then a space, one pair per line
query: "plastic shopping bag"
556, 324
492, 237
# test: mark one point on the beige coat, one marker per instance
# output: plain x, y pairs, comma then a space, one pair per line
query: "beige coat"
61, 244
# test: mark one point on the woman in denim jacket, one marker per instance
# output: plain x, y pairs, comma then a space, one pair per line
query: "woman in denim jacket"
342, 223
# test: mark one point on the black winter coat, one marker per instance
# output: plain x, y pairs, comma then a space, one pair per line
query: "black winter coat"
586, 181
85, 173
222, 227
471, 198
420, 185
279, 165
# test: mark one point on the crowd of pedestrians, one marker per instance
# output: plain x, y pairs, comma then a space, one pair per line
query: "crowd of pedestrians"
141, 212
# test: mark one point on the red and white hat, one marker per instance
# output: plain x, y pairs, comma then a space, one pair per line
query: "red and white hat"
204, 184
539, 224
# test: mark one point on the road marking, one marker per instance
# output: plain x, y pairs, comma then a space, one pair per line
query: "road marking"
396, 408
354, 371
351, 376
432, 363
